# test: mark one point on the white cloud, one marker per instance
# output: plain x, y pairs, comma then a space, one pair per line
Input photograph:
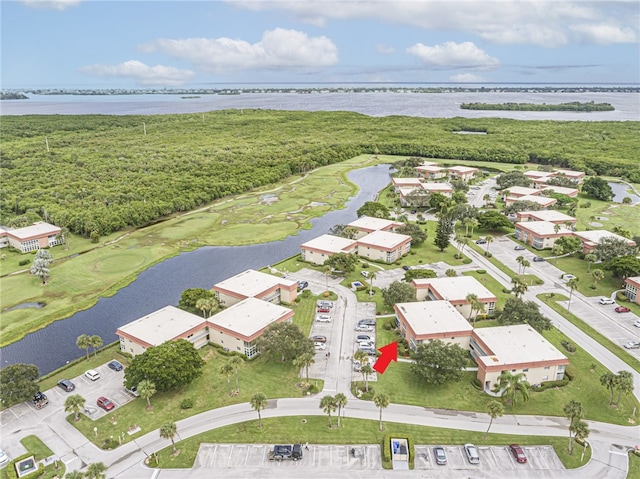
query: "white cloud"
466, 78
452, 54
605, 34
278, 48
159, 75
385, 49
546, 23
51, 4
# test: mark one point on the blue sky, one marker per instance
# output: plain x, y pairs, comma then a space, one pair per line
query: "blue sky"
169, 43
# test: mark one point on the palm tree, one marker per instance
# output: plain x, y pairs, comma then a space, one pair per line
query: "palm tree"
328, 405
146, 389
450, 273
74, 475
258, 402
580, 431
366, 371
207, 306
556, 228
590, 259
96, 342
40, 269
84, 342
494, 409
489, 240
341, 402
525, 265
472, 299
623, 383
304, 361
381, 401
473, 223
512, 385
465, 223
236, 362
573, 285
327, 271
372, 276
598, 275
74, 404
96, 471
463, 245
226, 369
168, 431
608, 380
519, 260
486, 199
363, 358
519, 286
573, 411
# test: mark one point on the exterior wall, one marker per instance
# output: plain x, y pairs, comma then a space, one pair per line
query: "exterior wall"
288, 295
460, 338
30, 244
227, 299
536, 241
384, 255
631, 289
534, 374
319, 257
198, 336
132, 346
227, 341
464, 308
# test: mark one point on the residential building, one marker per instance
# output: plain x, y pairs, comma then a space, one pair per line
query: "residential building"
591, 238
237, 328
543, 201
517, 349
518, 191
166, 324
562, 190
464, 173
408, 195
552, 216
405, 182
384, 246
455, 290
255, 284
432, 172
576, 176
443, 188
30, 238
540, 234
320, 249
631, 288
424, 321
368, 224
541, 178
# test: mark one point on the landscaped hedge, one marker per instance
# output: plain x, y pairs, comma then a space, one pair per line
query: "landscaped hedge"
10, 470
569, 346
549, 384
386, 449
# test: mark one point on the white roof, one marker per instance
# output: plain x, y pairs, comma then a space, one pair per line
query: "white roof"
548, 215
516, 344
36, 230
251, 283
463, 169
431, 168
544, 228
428, 163
406, 181
538, 174
383, 239
433, 317
249, 316
541, 200
162, 325
373, 224
521, 191
562, 190
437, 186
569, 173
594, 236
455, 289
407, 190
330, 243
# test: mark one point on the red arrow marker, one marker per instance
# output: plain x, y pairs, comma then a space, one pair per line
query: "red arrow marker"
389, 353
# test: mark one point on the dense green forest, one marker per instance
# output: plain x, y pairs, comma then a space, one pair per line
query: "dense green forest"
571, 106
101, 174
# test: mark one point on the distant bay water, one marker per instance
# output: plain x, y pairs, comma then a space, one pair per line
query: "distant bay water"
371, 103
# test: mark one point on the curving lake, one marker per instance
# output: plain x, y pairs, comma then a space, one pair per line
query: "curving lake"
163, 283
621, 191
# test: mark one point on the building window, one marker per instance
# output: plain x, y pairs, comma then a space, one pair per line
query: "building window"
525, 370
547, 367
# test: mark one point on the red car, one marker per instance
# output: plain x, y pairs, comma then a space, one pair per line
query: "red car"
105, 404
622, 309
323, 310
518, 453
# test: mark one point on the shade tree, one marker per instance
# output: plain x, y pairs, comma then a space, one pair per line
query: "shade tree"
18, 382
437, 362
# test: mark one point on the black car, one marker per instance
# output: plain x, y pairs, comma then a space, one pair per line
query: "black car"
481, 241
538, 259
66, 385
302, 285
406, 268
115, 365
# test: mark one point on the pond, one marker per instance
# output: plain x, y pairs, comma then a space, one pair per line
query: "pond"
621, 191
163, 283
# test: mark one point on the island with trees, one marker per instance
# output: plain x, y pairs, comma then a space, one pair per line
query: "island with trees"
570, 106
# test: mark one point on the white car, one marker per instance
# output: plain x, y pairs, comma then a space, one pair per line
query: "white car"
320, 346
365, 274
605, 300
637, 323
323, 318
632, 345
92, 374
4, 459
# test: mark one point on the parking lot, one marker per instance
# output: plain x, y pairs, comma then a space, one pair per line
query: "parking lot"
496, 460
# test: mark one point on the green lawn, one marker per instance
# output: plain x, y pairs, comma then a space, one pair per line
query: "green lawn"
35, 446
315, 430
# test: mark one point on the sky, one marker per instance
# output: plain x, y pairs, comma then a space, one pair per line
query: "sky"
195, 44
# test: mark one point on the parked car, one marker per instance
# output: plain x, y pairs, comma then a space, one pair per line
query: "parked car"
364, 328
323, 318
369, 351
538, 259
133, 391
92, 374
319, 338
518, 453
325, 304
363, 337
472, 454
519, 248
105, 403
366, 345
632, 345
481, 241
364, 273
406, 268
368, 322
441, 455
605, 300
4, 459
302, 285
115, 365
637, 323
622, 309
66, 385
40, 400
321, 346
323, 309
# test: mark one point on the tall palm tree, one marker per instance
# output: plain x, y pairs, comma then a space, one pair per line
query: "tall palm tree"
84, 342
96, 471
590, 259
623, 383
96, 342
341, 402
226, 369
597, 275
74, 475
465, 223
580, 431
608, 380
327, 271
168, 431
304, 361
556, 228
512, 385
74, 404
207, 306
573, 285
328, 405
519, 260
463, 245
472, 299
366, 371
146, 389
258, 402
489, 240
382, 402
519, 286
40, 269
573, 411
494, 409
236, 362
372, 276
525, 265
363, 358
473, 223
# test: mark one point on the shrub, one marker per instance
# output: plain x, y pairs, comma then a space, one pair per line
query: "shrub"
568, 346
621, 297
481, 271
468, 260
110, 443
186, 403
477, 384
365, 265
568, 375
24, 262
